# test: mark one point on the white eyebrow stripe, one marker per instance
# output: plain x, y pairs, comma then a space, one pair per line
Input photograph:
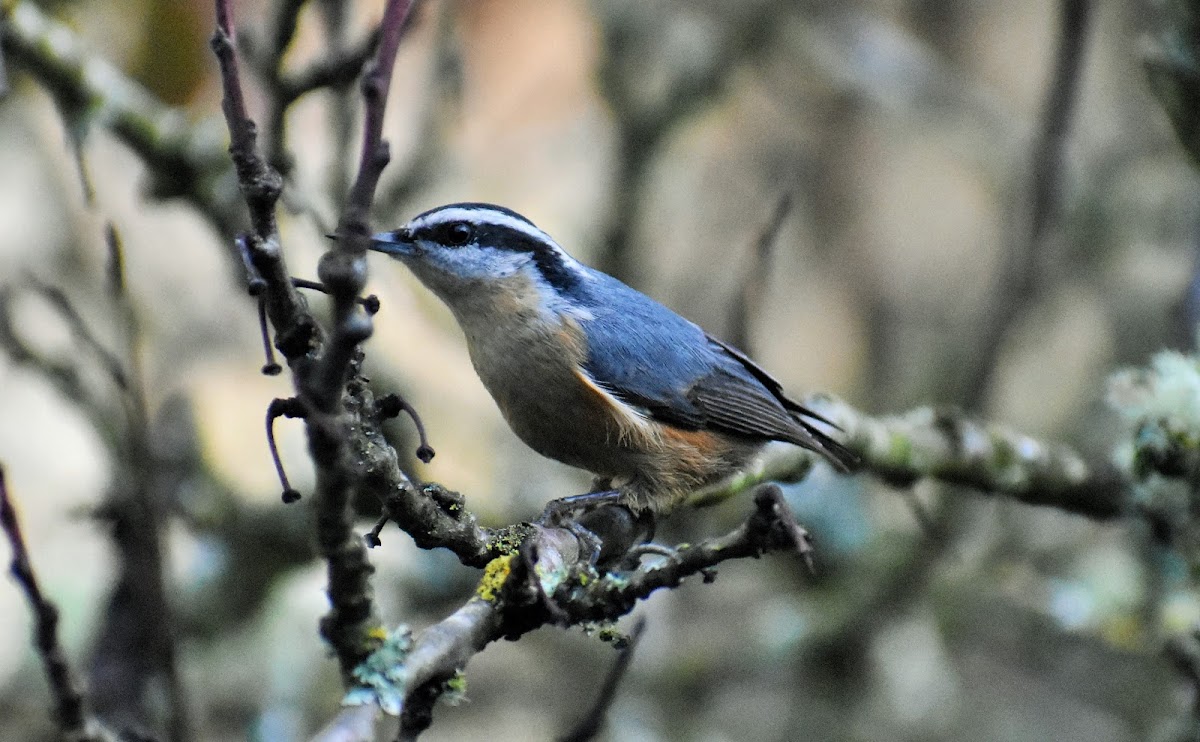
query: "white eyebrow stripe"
484, 216
491, 217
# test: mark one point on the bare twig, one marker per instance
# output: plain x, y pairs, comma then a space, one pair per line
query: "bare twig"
392, 405
593, 722
351, 623
260, 184
440, 105
282, 408
322, 365
351, 626
69, 701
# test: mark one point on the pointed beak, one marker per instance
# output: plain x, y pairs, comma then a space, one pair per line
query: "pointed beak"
396, 243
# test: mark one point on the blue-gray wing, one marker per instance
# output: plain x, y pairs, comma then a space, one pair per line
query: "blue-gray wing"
648, 356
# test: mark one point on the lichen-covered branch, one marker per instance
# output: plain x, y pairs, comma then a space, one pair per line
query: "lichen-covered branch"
948, 446
548, 580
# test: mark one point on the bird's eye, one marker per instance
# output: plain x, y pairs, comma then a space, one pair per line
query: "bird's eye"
457, 234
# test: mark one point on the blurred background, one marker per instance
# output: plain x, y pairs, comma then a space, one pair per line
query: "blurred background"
654, 139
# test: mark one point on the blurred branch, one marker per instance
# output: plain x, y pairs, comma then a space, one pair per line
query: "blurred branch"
1173, 70
549, 581
184, 161
949, 447
1184, 651
593, 722
3, 72
74, 723
137, 639
645, 113
329, 72
1024, 265
752, 289
337, 69
64, 375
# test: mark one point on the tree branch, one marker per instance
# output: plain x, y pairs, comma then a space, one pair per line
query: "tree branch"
549, 581
70, 706
184, 161
322, 366
948, 446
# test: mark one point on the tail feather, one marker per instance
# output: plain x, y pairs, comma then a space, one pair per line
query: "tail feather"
836, 453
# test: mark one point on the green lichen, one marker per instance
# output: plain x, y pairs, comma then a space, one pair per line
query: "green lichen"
381, 676
899, 448
1003, 453
508, 539
456, 689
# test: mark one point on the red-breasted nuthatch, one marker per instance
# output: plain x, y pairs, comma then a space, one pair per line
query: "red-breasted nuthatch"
592, 373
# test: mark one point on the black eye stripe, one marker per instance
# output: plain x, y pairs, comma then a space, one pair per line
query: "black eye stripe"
548, 260
452, 234
546, 256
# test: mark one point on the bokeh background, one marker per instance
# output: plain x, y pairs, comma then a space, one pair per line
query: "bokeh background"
653, 138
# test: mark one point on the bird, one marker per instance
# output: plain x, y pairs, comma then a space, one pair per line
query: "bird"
593, 373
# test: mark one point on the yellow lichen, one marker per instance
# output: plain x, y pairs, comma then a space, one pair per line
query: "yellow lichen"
494, 575
377, 633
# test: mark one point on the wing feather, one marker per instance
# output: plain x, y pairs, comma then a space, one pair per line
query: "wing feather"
669, 367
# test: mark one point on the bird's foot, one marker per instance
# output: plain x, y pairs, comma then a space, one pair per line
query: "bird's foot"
605, 527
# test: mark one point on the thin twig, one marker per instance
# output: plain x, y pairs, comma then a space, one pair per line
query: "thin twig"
392, 405
593, 722
443, 93
69, 701
81, 332
260, 183
291, 407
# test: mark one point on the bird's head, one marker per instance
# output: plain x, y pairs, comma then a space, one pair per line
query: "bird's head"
469, 251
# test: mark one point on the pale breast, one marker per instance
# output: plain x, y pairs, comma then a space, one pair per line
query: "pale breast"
532, 370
